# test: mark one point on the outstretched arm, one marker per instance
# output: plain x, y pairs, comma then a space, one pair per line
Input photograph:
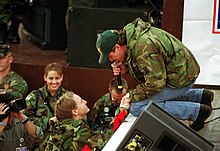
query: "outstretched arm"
122, 112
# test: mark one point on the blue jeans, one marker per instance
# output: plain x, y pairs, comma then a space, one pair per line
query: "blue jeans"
183, 103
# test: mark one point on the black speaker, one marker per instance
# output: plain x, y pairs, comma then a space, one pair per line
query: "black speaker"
156, 130
44, 24
112, 3
86, 23
102, 3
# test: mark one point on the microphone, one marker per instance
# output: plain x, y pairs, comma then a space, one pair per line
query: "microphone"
120, 87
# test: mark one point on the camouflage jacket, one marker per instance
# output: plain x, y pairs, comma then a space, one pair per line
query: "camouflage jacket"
14, 83
74, 135
157, 59
39, 103
103, 112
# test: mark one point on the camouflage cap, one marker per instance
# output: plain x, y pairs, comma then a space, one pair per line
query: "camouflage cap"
4, 50
104, 44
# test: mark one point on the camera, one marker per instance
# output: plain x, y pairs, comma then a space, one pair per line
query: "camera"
104, 118
14, 105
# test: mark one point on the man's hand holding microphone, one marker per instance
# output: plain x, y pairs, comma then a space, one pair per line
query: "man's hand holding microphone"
116, 67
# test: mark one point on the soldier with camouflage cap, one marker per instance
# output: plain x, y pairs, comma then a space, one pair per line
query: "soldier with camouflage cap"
10, 81
70, 130
165, 68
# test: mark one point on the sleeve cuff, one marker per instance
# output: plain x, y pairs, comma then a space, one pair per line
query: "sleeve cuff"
3, 124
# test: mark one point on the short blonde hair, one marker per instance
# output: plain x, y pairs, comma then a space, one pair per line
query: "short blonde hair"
65, 105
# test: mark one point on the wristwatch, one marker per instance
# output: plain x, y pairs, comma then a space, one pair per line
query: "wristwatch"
24, 120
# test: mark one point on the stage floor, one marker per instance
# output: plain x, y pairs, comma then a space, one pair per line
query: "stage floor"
28, 53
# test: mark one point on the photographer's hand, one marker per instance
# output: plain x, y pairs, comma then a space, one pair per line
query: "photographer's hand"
3, 108
19, 115
4, 118
31, 128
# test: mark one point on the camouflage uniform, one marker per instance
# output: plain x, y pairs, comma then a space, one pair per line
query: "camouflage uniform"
103, 112
15, 83
72, 134
38, 109
166, 70
157, 59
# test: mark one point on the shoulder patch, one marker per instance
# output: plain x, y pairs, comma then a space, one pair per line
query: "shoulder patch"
28, 97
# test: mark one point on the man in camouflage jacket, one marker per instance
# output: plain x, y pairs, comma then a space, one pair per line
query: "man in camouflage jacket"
10, 81
165, 68
70, 130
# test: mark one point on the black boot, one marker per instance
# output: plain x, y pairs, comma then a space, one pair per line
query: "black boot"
207, 97
204, 112
3, 33
13, 35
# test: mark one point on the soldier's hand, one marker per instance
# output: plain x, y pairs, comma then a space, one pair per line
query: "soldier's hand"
125, 103
119, 67
53, 119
